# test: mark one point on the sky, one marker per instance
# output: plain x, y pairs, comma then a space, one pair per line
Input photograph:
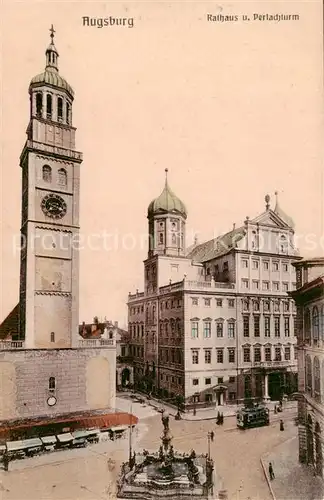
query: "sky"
234, 110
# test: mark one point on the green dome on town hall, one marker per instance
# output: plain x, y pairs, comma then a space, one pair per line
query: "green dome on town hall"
167, 202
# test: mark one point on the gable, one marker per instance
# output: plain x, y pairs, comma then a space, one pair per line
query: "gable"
270, 218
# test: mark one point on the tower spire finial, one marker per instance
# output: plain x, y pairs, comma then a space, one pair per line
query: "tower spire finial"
52, 31
166, 175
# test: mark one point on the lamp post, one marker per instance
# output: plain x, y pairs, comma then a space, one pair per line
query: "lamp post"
130, 433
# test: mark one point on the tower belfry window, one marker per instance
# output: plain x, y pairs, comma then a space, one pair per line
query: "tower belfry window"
49, 106
39, 104
59, 108
68, 113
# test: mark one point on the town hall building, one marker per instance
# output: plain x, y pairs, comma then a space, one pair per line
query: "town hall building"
215, 324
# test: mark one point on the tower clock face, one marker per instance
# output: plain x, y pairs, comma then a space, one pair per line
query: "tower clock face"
54, 206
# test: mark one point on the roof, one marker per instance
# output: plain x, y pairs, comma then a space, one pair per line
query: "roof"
53, 78
312, 260
217, 246
286, 218
10, 325
167, 202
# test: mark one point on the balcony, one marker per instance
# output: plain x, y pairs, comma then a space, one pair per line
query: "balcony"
96, 342
274, 364
47, 148
194, 285
9, 345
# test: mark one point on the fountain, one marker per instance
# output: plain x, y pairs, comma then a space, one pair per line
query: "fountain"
166, 474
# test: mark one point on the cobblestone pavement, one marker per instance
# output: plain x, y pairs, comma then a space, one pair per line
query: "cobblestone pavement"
86, 474
293, 481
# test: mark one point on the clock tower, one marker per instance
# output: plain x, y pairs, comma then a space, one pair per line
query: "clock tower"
49, 270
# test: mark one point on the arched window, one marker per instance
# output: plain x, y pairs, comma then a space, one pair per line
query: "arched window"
52, 336
51, 383
47, 173
161, 238
68, 113
49, 106
315, 324
317, 379
307, 325
39, 104
283, 243
309, 375
62, 177
59, 109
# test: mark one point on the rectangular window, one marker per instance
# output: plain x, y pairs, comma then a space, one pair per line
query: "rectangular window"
245, 263
287, 326
194, 301
220, 356
231, 302
231, 329
257, 354
232, 396
207, 356
220, 380
195, 356
267, 353
277, 353
266, 265
265, 285
194, 329
256, 320
207, 302
246, 326
207, 381
295, 352
207, 329
219, 329
275, 286
195, 381
285, 287
255, 264
285, 267
267, 326
245, 283
276, 320
255, 284
219, 302
275, 266
231, 355
247, 355
231, 380
287, 353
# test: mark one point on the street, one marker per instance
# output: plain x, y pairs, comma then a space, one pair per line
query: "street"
90, 473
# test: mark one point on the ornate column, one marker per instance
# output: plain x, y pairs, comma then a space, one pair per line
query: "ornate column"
266, 387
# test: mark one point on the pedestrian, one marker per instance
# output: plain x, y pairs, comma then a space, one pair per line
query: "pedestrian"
212, 436
6, 461
271, 473
221, 418
275, 409
282, 425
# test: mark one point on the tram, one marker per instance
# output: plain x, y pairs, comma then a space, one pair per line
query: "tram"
256, 416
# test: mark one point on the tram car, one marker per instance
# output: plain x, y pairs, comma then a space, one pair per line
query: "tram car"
255, 416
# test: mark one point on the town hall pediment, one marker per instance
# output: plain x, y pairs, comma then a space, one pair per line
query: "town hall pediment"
270, 218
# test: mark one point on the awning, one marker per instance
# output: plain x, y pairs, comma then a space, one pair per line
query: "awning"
65, 438
30, 443
119, 428
49, 439
80, 434
92, 432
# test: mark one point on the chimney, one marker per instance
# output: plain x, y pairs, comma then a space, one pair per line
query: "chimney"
116, 324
